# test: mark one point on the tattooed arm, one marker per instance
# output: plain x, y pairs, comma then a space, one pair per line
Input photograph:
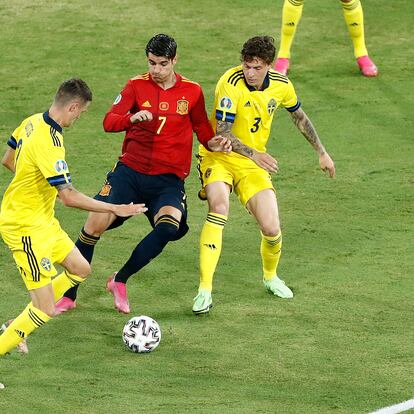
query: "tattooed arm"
305, 126
262, 159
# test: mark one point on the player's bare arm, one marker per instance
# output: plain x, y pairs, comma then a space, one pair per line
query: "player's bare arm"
73, 198
262, 159
8, 159
305, 126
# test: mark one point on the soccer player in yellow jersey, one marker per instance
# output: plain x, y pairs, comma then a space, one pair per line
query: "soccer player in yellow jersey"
27, 223
354, 19
246, 99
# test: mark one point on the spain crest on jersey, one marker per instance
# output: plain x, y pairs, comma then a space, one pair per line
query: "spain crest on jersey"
182, 107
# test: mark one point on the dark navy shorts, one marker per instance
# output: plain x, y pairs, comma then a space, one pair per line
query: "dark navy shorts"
124, 185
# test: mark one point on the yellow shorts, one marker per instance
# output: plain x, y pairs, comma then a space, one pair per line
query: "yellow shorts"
35, 253
242, 174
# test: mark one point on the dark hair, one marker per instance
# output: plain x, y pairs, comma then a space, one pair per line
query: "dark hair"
162, 45
261, 47
71, 89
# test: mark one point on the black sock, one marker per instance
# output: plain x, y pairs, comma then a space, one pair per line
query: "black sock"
86, 244
149, 247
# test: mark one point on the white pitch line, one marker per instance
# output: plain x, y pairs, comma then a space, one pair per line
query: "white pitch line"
397, 408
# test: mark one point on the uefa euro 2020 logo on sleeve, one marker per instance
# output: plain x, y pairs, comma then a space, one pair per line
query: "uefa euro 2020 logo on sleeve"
226, 103
61, 166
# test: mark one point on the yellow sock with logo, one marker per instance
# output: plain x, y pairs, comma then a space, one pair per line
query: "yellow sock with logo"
291, 14
211, 240
270, 250
21, 327
63, 282
354, 18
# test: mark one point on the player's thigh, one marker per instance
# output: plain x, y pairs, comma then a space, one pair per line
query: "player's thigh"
33, 255
120, 187
62, 244
250, 181
263, 206
164, 194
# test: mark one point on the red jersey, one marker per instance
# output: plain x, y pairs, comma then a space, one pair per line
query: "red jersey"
163, 145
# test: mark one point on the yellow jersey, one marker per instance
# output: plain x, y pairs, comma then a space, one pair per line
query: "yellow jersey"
28, 203
251, 111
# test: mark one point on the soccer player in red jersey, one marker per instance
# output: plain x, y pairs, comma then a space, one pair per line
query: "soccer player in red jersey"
158, 111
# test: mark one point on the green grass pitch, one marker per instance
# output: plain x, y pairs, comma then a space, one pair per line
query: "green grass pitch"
344, 344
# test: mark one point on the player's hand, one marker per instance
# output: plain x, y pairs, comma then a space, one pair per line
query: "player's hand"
326, 164
127, 210
265, 161
141, 116
219, 144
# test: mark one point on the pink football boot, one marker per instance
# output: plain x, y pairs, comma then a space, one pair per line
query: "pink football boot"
367, 66
282, 65
63, 305
118, 289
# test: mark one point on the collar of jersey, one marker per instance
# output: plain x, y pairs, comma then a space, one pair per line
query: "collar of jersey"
266, 82
51, 122
177, 82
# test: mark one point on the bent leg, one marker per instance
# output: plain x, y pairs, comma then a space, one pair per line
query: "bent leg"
166, 226
95, 225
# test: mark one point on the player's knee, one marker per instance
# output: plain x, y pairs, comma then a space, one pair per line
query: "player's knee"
220, 207
97, 223
82, 269
270, 229
47, 308
167, 227
167, 232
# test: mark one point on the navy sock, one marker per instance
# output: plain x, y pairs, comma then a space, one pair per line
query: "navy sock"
86, 244
149, 247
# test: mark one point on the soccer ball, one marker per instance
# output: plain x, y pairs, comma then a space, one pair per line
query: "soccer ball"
141, 334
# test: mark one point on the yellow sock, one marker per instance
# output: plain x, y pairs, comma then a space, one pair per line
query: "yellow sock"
354, 19
63, 282
211, 239
291, 14
29, 320
270, 249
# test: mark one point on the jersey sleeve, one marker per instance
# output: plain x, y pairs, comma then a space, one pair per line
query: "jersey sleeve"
200, 123
290, 100
50, 159
227, 97
118, 117
12, 141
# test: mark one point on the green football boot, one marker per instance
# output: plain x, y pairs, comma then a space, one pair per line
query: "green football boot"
278, 287
202, 302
